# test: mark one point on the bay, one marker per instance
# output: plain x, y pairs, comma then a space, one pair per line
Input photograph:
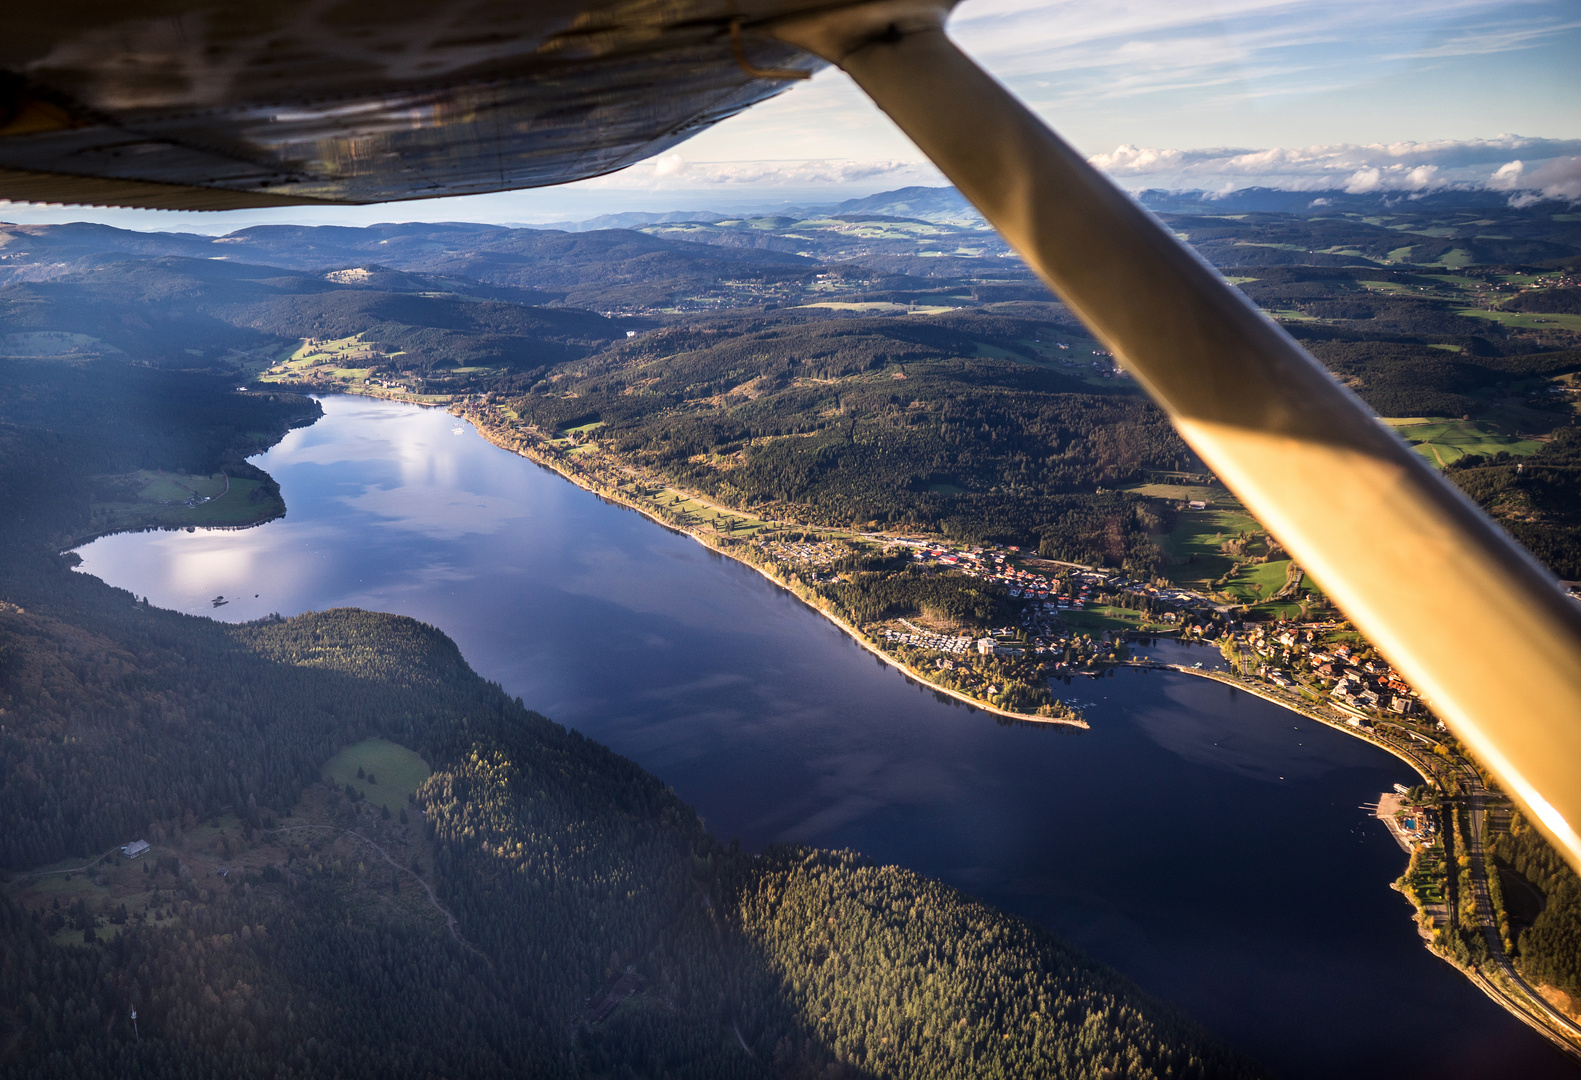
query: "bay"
1206, 843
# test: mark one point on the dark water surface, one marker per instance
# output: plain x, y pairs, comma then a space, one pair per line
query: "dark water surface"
1207, 843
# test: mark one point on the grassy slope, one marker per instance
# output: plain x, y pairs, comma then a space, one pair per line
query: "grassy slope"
396, 771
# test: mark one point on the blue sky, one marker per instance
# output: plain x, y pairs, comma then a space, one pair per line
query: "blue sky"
1364, 94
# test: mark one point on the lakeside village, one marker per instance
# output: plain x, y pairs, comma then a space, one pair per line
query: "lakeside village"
1065, 620
1323, 669
1062, 624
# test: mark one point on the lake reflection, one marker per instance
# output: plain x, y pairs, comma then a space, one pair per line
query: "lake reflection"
1207, 843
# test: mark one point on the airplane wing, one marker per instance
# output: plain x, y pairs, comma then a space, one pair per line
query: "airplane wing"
184, 104
219, 106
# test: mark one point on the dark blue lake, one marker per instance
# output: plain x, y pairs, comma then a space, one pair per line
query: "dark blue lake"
1207, 843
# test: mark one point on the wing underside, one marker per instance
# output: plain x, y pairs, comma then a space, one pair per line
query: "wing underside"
226, 107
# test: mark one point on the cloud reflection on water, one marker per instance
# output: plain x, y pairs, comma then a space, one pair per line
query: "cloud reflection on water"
435, 511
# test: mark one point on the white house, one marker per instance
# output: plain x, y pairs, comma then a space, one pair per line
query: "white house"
135, 848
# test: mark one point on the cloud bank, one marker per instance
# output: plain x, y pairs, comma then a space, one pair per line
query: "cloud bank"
1528, 167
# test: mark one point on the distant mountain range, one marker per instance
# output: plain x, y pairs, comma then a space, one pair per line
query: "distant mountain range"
940, 205
947, 206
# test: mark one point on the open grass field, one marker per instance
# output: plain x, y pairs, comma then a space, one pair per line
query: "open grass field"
347, 361
1526, 320
112, 882
1441, 440
160, 500
870, 306
1104, 617
1215, 495
110, 894
699, 513
391, 772
1101, 618
161, 487
1258, 581
1194, 543
884, 307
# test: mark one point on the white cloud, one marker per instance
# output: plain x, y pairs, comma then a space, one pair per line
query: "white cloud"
1356, 168
668, 165
1163, 41
1507, 177
1559, 178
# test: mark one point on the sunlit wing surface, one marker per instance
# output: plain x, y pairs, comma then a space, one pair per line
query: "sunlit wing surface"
231, 105
208, 107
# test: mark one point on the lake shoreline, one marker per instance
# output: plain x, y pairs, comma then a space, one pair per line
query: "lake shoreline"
1225, 679
524, 449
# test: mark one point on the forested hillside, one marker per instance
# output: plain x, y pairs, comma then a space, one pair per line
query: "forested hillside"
876, 422
1537, 498
1451, 307
905, 975
69, 426
582, 923
571, 873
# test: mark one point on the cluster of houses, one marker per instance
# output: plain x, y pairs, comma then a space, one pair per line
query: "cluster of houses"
1369, 684
992, 564
1004, 641
820, 554
1355, 686
922, 639
1073, 592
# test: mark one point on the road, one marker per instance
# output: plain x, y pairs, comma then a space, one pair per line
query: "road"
450, 920
1524, 1001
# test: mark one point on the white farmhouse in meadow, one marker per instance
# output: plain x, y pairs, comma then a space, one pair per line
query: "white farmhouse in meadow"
135, 848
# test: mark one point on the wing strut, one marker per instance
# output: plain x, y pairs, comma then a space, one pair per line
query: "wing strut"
1477, 625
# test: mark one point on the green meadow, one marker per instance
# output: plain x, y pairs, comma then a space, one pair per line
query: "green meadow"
1194, 544
1441, 440
1525, 320
149, 499
390, 772
697, 513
